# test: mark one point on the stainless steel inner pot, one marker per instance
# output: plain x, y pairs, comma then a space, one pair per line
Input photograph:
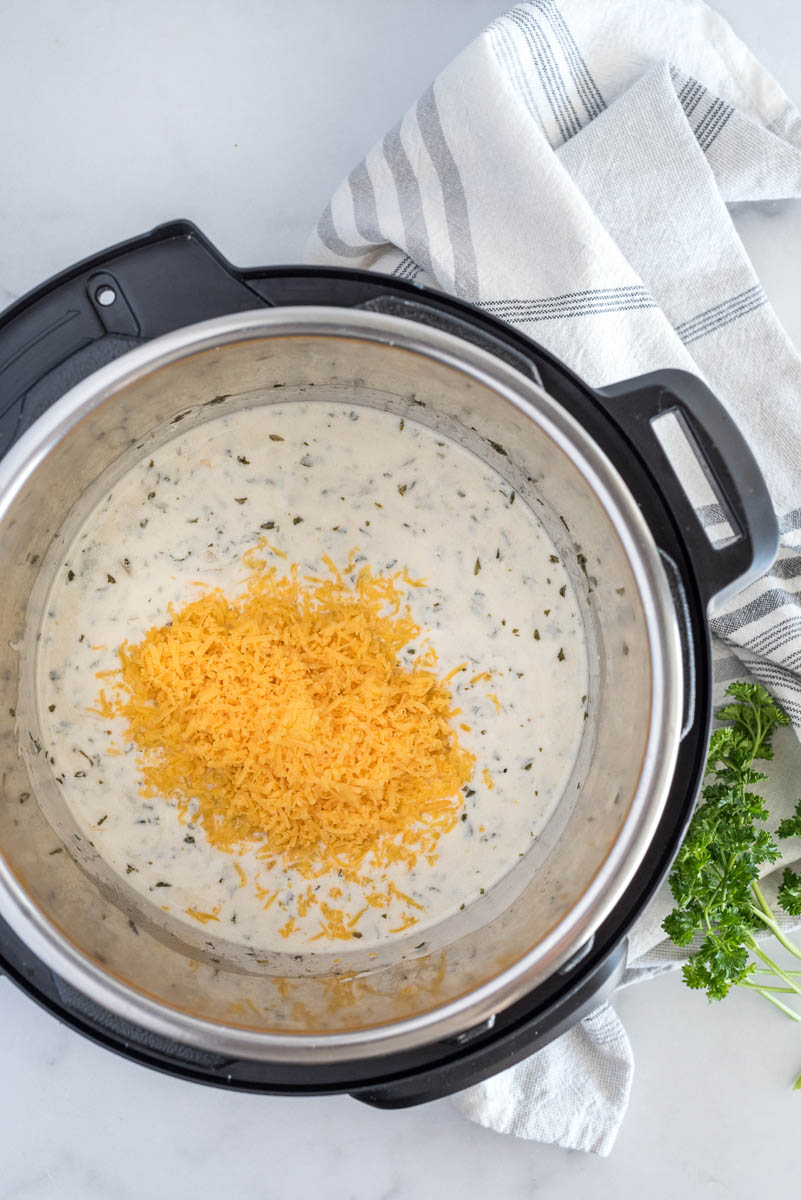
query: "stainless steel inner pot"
86, 925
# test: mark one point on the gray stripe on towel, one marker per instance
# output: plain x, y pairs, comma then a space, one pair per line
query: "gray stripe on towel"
457, 217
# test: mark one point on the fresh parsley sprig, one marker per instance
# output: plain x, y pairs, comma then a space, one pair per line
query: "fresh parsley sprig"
715, 879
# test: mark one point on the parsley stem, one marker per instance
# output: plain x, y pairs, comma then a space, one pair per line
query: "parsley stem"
767, 987
775, 929
788, 979
774, 1000
761, 901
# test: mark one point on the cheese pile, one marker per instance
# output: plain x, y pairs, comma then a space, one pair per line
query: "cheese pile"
288, 717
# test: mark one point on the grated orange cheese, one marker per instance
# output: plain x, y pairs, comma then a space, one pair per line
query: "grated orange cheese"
305, 901
335, 924
395, 891
265, 895
354, 920
285, 718
204, 917
406, 922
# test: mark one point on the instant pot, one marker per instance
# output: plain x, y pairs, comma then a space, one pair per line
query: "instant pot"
128, 349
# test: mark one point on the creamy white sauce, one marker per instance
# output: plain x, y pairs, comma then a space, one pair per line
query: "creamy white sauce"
319, 479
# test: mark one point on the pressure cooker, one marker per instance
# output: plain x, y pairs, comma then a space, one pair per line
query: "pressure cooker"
162, 330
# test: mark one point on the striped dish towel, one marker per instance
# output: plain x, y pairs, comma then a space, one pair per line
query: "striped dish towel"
569, 173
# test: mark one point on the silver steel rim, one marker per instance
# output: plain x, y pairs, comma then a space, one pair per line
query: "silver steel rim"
478, 1006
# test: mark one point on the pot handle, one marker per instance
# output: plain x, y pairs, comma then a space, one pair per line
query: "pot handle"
726, 460
106, 305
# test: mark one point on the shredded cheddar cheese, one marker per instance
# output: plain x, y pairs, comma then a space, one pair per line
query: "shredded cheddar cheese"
406, 922
285, 718
265, 896
204, 917
483, 675
288, 929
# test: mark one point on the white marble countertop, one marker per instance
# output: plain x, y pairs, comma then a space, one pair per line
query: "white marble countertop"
243, 115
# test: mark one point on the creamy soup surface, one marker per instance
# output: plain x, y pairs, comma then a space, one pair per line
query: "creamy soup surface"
323, 479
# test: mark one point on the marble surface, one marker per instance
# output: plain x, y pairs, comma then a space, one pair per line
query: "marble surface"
243, 116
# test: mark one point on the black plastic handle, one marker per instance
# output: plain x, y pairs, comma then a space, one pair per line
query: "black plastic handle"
726, 459
106, 305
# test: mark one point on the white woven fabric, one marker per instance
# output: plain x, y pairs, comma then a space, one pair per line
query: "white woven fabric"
569, 172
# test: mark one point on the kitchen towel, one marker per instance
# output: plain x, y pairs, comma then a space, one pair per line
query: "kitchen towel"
570, 173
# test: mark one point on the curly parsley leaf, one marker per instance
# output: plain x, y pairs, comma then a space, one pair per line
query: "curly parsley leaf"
754, 713
791, 826
789, 894
719, 964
